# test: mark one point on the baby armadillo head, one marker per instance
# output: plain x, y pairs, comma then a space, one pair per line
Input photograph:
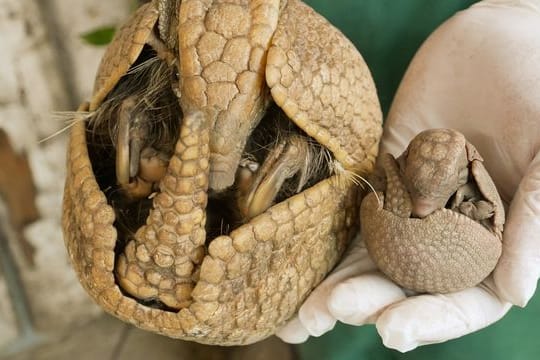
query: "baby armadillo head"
434, 166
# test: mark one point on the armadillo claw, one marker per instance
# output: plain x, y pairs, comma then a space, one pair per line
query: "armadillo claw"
284, 161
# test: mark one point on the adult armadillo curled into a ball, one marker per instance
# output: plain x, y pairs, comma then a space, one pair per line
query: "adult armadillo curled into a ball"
437, 226
211, 178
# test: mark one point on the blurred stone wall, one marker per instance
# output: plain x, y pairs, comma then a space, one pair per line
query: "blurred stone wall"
45, 67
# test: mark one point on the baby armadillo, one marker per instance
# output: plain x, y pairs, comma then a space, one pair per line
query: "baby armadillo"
438, 226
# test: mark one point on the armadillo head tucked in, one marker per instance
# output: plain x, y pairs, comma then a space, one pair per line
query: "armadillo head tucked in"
435, 164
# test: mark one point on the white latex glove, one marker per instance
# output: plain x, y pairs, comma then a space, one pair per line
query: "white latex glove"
479, 73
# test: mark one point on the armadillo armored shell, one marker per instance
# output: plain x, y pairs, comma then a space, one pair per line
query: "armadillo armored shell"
240, 287
443, 252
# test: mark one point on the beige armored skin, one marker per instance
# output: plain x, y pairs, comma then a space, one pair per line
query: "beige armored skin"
173, 220
438, 225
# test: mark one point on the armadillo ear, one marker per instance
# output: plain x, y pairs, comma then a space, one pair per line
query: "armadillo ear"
472, 153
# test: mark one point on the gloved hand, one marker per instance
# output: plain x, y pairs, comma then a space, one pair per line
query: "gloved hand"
479, 73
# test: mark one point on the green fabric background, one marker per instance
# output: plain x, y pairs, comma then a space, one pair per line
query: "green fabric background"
388, 33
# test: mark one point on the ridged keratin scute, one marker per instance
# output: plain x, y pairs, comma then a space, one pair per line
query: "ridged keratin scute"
441, 253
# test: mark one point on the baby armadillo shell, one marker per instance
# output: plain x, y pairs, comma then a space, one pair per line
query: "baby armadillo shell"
441, 253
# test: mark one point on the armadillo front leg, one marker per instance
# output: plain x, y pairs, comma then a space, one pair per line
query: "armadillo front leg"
284, 161
160, 263
468, 200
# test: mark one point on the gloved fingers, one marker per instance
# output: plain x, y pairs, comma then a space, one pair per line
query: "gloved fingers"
518, 269
359, 300
428, 319
314, 314
354, 262
293, 332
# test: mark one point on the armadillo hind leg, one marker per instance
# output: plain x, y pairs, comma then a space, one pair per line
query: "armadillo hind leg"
159, 264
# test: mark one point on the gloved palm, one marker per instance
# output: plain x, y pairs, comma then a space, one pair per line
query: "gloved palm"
479, 74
